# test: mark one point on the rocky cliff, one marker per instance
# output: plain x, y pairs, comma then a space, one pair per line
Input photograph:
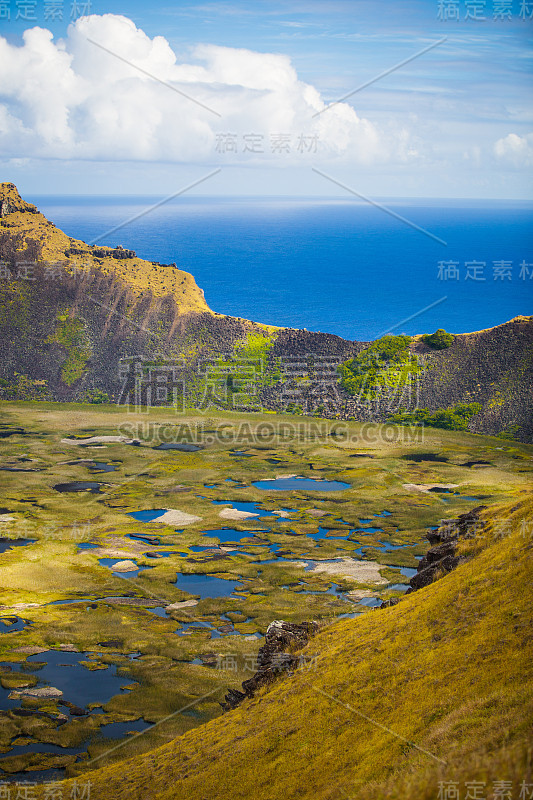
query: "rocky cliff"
81, 322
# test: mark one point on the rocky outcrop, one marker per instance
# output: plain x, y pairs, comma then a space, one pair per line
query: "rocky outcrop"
101, 252
11, 201
392, 602
276, 656
442, 557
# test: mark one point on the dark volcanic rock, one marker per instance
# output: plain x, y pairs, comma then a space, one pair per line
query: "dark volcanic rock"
392, 602
75, 711
233, 698
274, 657
465, 527
442, 558
437, 554
226, 628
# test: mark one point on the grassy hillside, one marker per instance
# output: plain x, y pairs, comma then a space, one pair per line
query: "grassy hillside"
23, 220
68, 319
437, 688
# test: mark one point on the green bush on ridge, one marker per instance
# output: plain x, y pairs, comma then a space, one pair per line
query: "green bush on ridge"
387, 362
455, 418
439, 340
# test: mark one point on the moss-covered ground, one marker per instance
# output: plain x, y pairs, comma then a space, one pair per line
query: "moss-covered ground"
178, 664
430, 698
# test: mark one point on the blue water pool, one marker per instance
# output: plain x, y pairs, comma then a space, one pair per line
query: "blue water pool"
147, 515
7, 544
295, 484
62, 670
205, 585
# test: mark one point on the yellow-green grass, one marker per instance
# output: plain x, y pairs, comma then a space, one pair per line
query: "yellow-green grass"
435, 689
53, 569
138, 274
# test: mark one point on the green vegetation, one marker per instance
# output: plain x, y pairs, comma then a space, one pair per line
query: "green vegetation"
386, 365
432, 691
53, 568
71, 334
244, 373
439, 340
455, 418
21, 387
96, 396
255, 347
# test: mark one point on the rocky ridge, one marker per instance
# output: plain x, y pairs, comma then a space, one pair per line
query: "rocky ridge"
70, 324
442, 556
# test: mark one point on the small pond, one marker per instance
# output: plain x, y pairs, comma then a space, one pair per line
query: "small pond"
205, 585
7, 544
11, 624
148, 515
79, 486
102, 466
295, 484
182, 446
116, 730
63, 671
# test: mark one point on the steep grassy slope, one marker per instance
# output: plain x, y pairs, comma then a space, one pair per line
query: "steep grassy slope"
437, 688
23, 220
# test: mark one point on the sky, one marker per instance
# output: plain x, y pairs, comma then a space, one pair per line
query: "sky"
423, 98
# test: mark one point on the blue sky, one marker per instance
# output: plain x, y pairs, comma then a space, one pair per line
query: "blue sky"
454, 122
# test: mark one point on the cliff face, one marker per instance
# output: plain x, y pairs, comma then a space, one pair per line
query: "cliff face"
22, 225
492, 367
70, 312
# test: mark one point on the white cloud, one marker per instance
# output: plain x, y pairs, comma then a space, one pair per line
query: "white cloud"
514, 150
72, 100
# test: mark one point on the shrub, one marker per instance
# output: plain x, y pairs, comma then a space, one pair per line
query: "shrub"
387, 363
439, 340
96, 396
455, 418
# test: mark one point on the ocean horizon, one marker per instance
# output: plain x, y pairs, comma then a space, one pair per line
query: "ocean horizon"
329, 264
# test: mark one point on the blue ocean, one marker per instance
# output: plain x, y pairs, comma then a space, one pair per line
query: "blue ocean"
337, 266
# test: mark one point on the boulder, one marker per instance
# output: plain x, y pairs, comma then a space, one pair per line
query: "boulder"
46, 692
274, 657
